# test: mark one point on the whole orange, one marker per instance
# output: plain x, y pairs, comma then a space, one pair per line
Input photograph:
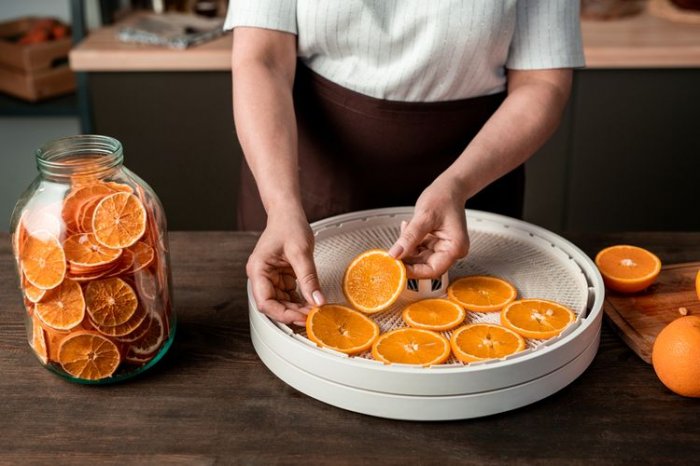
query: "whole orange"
676, 356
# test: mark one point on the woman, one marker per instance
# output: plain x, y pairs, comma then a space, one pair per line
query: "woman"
391, 102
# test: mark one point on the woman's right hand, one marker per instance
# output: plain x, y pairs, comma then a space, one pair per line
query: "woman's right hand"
282, 257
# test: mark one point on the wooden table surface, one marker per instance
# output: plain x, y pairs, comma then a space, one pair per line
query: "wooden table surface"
210, 400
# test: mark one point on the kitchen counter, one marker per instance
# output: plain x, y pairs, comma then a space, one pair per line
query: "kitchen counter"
211, 400
642, 41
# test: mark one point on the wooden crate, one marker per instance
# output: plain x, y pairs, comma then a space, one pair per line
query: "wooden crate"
36, 71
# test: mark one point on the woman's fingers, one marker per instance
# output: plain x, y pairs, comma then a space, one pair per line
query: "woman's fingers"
301, 260
411, 236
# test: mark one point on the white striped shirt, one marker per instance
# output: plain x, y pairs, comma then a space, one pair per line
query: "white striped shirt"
419, 50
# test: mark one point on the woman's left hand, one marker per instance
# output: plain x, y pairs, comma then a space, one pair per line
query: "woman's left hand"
437, 235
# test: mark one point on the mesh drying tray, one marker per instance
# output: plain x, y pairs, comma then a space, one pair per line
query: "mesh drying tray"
539, 263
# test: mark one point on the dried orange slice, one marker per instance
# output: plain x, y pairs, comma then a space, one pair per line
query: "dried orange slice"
411, 346
127, 327
139, 332
110, 301
143, 255
627, 269
433, 314
697, 284
374, 281
38, 342
63, 307
77, 199
479, 342
119, 220
341, 328
536, 318
119, 187
151, 341
84, 250
43, 260
481, 293
88, 355
31, 292
126, 263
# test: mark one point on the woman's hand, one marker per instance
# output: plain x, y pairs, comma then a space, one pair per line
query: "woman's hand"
437, 235
283, 256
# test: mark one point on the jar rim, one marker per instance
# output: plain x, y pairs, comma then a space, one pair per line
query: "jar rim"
62, 156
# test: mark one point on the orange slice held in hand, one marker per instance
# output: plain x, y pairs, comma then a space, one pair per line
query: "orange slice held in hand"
374, 281
411, 346
341, 328
434, 314
480, 342
110, 301
627, 269
481, 293
536, 318
88, 355
119, 220
63, 307
43, 260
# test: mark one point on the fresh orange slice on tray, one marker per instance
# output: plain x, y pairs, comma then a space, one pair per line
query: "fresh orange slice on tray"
536, 318
480, 342
374, 281
63, 307
119, 220
433, 314
411, 346
43, 260
88, 355
481, 293
627, 269
341, 329
110, 301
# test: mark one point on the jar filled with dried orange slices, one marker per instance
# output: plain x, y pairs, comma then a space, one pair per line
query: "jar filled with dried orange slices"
90, 242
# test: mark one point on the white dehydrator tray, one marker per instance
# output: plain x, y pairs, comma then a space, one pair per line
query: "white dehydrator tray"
539, 263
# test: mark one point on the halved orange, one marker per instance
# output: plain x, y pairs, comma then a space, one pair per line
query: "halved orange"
480, 342
411, 346
110, 301
63, 307
627, 269
341, 328
83, 250
119, 220
38, 342
43, 260
374, 281
536, 318
434, 314
481, 293
88, 355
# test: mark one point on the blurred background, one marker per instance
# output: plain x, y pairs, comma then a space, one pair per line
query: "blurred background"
155, 75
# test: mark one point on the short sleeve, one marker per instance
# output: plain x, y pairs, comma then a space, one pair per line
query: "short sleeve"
547, 35
280, 15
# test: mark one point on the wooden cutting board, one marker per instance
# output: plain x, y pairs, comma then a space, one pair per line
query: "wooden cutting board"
638, 318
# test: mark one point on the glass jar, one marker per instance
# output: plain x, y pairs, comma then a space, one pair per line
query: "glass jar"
91, 247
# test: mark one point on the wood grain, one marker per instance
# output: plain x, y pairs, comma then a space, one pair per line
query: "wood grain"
642, 41
639, 318
211, 401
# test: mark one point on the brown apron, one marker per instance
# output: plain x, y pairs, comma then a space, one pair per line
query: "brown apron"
358, 152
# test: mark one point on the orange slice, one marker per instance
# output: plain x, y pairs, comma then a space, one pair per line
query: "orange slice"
411, 346
119, 187
697, 284
481, 293
434, 314
119, 220
480, 342
77, 199
143, 255
31, 292
627, 269
63, 307
110, 301
341, 329
536, 318
88, 355
152, 339
43, 260
84, 250
38, 342
127, 327
374, 281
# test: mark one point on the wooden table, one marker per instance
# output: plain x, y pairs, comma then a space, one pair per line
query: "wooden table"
212, 401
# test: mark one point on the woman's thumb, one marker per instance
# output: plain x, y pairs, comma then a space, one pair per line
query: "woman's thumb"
411, 237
